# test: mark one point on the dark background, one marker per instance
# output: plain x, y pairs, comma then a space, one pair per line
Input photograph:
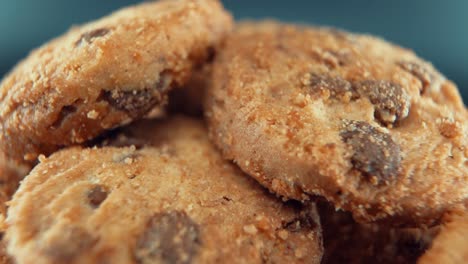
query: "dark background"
436, 30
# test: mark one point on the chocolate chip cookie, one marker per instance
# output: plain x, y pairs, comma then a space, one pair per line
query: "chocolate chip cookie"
316, 111
169, 197
105, 74
451, 245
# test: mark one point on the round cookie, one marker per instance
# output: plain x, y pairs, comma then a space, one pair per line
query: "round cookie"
451, 245
105, 74
168, 198
366, 124
346, 241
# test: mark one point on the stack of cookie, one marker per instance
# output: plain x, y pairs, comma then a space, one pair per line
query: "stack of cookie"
164, 133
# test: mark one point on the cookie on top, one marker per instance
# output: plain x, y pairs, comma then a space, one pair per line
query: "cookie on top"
317, 111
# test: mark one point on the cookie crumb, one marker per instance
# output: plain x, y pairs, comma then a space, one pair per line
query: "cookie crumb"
449, 129
93, 114
250, 229
42, 158
283, 234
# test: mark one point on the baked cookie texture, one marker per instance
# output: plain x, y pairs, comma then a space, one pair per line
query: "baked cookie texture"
451, 245
346, 241
11, 174
105, 74
168, 198
316, 111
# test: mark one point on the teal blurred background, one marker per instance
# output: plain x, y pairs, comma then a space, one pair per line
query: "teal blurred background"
436, 30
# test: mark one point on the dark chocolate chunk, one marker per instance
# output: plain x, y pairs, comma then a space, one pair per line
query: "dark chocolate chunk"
134, 103
421, 72
337, 86
375, 154
390, 100
90, 35
68, 245
171, 237
96, 196
138, 102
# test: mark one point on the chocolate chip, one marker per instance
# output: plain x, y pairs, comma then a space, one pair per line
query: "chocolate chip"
335, 85
390, 100
138, 102
171, 237
68, 245
375, 154
134, 103
96, 196
90, 35
419, 71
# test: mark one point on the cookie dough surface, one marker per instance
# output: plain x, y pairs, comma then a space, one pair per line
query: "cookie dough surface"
168, 198
105, 74
366, 124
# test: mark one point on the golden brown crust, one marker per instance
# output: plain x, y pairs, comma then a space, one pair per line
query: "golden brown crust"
105, 74
314, 111
171, 199
451, 245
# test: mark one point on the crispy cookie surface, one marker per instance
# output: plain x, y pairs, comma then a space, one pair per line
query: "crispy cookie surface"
105, 74
366, 124
169, 198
